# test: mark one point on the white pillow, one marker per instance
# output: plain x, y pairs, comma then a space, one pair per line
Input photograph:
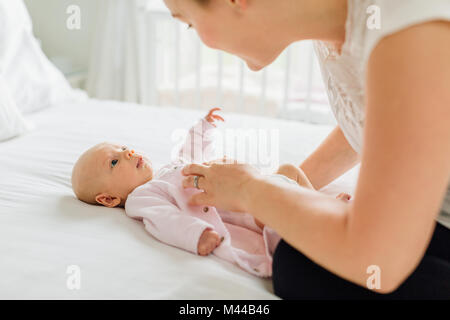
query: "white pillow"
34, 82
11, 121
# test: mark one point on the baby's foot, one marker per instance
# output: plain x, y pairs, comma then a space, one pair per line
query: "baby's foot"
209, 240
343, 196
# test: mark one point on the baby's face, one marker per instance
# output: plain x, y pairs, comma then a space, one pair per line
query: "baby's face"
117, 171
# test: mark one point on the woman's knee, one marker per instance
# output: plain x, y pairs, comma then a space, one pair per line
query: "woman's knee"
290, 270
295, 276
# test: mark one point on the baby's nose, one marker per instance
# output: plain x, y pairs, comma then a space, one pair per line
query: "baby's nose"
130, 153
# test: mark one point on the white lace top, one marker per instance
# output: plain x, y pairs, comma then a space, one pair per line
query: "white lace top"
344, 72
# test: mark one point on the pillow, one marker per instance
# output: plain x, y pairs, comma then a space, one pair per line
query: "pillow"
34, 82
11, 121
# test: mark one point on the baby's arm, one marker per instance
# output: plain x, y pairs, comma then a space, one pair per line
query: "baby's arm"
199, 144
166, 223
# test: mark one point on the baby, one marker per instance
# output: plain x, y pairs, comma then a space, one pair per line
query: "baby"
115, 176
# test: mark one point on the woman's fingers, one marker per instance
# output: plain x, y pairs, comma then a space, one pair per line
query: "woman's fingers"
195, 169
188, 182
224, 160
209, 163
200, 199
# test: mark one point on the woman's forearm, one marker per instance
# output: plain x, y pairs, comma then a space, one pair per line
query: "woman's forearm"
314, 223
318, 225
330, 160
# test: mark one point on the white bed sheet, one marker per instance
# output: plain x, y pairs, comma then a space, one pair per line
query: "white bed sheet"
44, 229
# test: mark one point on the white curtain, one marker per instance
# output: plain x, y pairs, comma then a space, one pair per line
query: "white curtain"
142, 55
119, 67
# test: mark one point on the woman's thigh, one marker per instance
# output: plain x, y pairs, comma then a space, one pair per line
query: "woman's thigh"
297, 277
440, 243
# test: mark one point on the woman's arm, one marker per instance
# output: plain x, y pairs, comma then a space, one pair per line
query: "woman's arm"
403, 177
330, 160
404, 173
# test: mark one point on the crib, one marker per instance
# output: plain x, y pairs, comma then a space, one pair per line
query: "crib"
191, 75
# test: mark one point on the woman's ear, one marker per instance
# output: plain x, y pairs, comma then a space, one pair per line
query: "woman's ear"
107, 200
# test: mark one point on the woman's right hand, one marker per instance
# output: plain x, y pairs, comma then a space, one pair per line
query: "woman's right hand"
225, 184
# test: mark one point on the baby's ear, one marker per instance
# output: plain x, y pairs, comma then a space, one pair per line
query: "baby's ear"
107, 200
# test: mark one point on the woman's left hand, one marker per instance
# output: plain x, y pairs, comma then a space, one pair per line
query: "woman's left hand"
225, 183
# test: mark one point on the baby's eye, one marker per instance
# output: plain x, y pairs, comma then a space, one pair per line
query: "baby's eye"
113, 163
189, 26
124, 148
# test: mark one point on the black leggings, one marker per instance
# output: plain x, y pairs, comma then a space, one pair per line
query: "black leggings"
297, 277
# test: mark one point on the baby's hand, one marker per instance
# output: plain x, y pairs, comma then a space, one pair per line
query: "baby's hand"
209, 240
343, 196
211, 117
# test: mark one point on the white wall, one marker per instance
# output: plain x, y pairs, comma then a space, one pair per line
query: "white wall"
49, 23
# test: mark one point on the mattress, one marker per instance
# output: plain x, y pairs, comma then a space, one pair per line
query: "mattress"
48, 237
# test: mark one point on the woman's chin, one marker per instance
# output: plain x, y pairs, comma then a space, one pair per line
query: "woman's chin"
254, 67
260, 65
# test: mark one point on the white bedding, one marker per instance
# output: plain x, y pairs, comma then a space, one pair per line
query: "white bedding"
44, 229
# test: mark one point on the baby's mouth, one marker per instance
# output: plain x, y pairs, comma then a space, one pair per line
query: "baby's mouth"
139, 162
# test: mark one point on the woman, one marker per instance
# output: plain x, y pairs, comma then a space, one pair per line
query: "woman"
387, 71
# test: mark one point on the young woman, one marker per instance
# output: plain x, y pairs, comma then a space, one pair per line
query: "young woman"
386, 67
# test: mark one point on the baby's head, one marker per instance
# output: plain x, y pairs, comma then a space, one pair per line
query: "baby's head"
107, 173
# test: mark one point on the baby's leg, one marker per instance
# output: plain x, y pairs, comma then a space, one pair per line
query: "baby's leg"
295, 174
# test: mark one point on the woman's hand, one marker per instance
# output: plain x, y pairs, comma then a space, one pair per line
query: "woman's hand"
224, 182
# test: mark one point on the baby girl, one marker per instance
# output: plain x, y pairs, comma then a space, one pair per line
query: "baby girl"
115, 176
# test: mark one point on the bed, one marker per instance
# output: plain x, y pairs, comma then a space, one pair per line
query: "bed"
44, 229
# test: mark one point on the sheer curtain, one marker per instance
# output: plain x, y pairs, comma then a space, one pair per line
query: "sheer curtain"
119, 66
141, 54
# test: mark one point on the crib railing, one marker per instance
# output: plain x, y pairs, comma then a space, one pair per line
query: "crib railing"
183, 72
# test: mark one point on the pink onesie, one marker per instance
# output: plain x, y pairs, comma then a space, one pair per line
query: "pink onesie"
162, 205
